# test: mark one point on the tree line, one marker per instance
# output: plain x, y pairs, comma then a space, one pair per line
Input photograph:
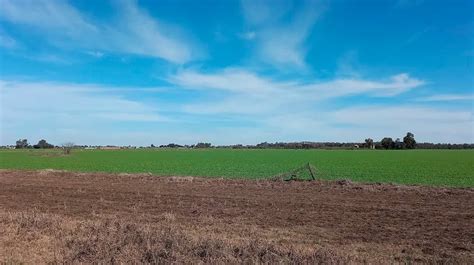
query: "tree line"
408, 142
42, 144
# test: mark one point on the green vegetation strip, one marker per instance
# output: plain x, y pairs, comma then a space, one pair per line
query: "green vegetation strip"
453, 168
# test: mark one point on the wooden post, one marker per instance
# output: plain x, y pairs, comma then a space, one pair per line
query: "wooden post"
311, 171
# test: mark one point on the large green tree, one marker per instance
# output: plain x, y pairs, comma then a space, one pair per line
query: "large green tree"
21, 143
43, 144
409, 141
387, 143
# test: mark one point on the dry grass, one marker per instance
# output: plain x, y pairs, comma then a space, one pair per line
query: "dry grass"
33, 237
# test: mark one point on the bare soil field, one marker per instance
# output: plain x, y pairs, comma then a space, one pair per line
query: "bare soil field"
63, 217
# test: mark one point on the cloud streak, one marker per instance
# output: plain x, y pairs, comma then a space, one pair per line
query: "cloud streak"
248, 92
280, 42
68, 104
448, 97
46, 14
134, 31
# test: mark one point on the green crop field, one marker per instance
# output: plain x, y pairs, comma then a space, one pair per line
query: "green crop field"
426, 167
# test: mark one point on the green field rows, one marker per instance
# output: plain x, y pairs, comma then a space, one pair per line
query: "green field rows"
427, 167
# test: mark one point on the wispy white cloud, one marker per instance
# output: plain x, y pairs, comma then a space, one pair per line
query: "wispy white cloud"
139, 33
231, 79
395, 85
134, 31
46, 14
281, 42
251, 91
96, 54
449, 97
66, 104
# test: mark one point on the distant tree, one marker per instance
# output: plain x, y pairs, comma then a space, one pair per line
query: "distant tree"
152, 146
369, 143
171, 145
263, 145
398, 144
203, 145
387, 143
67, 147
43, 144
409, 141
21, 143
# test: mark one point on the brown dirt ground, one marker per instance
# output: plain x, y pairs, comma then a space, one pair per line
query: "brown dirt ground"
55, 216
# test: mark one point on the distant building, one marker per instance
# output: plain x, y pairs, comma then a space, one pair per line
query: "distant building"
109, 147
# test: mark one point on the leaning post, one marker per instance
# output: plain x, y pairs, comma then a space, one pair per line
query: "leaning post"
311, 171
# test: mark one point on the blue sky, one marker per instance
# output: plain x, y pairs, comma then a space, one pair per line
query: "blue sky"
140, 72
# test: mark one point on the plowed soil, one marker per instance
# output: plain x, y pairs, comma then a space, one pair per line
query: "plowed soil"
330, 222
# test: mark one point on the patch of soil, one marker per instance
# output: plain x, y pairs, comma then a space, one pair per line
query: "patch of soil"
319, 221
